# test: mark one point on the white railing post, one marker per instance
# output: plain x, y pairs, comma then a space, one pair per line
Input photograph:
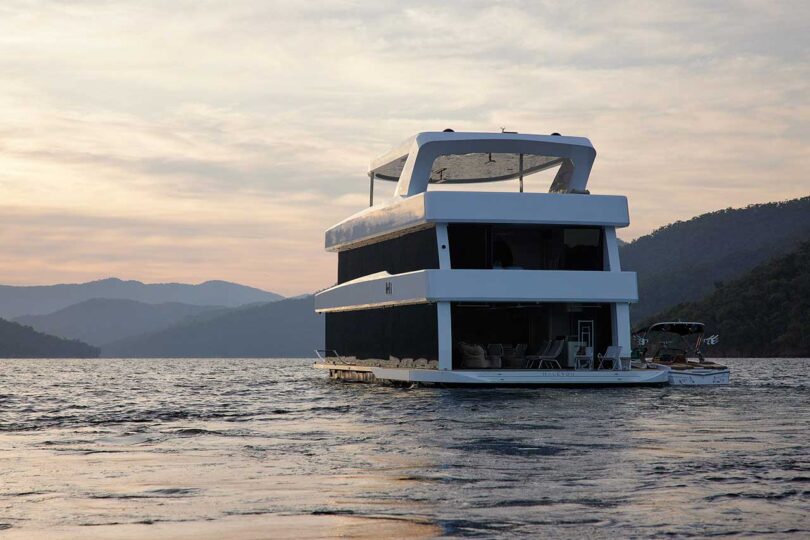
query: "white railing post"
445, 335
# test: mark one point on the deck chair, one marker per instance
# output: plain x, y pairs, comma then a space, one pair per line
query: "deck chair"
541, 351
613, 354
550, 360
585, 360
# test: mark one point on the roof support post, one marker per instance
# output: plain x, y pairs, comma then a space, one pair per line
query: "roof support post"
611, 251
443, 244
445, 328
520, 168
620, 315
371, 189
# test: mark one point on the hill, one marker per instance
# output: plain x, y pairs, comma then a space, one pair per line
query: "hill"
43, 299
286, 328
101, 320
18, 341
683, 261
765, 313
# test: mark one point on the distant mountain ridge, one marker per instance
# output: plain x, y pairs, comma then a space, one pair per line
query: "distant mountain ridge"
684, 260
102, 320
17, 301
18, 341
765, 313
285, 328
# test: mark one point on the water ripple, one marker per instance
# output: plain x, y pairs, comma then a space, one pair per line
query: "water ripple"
196, 442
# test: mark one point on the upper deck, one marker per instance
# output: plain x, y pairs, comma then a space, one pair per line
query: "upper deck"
404, 214
469, 158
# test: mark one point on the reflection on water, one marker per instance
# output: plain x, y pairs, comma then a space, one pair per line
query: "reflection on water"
270, 448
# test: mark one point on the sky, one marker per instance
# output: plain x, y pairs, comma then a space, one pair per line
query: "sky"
185, 141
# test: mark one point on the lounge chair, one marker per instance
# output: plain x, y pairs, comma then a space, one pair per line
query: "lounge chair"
548, 360
541, 350
613, 354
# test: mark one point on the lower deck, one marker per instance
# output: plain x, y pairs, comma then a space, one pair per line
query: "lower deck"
523, 377
478, 336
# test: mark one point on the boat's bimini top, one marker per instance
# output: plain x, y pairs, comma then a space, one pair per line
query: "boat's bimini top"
455, 158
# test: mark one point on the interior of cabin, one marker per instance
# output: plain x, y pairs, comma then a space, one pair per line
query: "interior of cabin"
529, 335
484, 335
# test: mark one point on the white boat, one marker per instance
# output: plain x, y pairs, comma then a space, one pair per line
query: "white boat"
677, 345
482, 288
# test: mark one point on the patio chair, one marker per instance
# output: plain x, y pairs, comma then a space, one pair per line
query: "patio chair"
613, 354
549, 359
541, 351
584, 360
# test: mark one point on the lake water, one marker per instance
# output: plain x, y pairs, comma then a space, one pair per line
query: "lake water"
271, 448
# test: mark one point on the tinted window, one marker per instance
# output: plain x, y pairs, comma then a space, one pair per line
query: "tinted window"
414, 251
402, 331
529, 247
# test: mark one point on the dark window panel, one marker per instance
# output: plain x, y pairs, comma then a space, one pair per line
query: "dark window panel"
530, 247
401, 331
414, 251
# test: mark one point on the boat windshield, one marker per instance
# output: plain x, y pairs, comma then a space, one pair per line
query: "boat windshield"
476, 167
674, 341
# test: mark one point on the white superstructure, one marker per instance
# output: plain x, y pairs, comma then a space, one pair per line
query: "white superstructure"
430, 279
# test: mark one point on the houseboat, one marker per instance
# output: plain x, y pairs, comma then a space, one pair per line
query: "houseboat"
445, 283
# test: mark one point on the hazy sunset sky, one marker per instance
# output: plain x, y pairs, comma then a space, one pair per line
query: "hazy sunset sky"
196, 140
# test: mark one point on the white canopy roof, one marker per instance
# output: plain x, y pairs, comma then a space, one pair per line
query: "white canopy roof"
454, 158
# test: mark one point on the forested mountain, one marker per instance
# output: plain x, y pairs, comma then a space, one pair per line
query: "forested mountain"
103, 320
42, 299
286, 328
18, 341
683, 261
764, 313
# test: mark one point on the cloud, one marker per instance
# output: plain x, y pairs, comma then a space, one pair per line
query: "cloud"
207, 139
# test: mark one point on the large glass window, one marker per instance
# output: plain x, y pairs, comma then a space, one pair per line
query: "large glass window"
401, 331
407, 253
528, 247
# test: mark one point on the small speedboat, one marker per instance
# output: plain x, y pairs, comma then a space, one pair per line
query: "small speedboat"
677, 345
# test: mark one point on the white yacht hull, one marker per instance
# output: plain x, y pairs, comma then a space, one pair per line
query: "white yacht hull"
501, 377
698, 377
